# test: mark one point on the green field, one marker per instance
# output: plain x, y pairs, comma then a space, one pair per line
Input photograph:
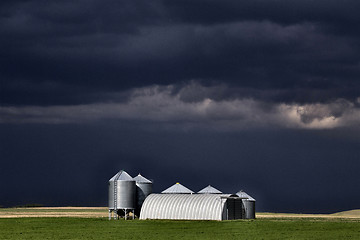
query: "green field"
101, 228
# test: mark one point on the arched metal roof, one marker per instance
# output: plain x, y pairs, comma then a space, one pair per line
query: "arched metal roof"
184, 206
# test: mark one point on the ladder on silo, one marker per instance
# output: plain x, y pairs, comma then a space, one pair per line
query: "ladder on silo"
115, 200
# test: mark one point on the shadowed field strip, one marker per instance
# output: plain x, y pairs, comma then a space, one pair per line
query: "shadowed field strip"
293, 215
352, 214
99, 212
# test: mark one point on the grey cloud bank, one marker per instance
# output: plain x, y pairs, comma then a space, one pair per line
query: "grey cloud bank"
162, 104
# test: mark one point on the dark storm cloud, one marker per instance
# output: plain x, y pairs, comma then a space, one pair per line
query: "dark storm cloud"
68, 51
263, 94
283, 11
294, 171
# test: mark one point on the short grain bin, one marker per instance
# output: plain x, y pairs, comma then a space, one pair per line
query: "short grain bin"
248, 204
143, 189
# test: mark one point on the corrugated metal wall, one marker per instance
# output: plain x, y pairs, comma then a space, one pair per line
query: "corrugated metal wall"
111, 195
185, 207
249, 206
126, 192
234, 209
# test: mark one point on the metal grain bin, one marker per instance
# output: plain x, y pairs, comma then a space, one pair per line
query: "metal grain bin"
248, 203
249, 206
122, 190
143, 189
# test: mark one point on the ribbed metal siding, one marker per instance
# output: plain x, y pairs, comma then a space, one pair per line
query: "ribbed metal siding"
249, 206
234, 209
126, 191
183, 206
142, 191
238, 214
111, 194
230, 205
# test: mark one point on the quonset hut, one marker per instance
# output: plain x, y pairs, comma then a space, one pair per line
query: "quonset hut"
178, 202
191, 207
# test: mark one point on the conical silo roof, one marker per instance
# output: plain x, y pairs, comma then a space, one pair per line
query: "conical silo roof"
121, 176
243, 194
210, 190
141, 179
177, 188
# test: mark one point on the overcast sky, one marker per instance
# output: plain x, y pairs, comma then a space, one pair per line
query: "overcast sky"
257, 95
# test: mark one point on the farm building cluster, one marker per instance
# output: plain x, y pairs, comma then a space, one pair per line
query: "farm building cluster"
130, 196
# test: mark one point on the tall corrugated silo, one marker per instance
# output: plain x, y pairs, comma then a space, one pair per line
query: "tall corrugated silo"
249, 205
143, 189
122, 192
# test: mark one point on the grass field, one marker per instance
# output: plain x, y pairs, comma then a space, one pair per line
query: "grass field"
269, 227
101, 228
